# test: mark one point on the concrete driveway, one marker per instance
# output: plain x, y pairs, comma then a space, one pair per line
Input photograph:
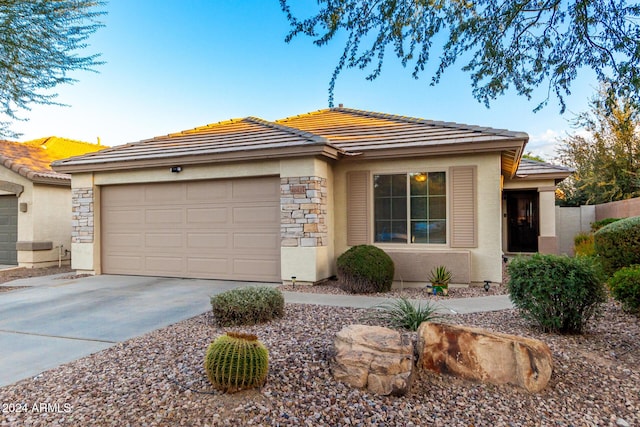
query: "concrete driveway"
56, 320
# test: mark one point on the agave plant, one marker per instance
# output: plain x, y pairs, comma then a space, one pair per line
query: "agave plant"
402, 313
440, 276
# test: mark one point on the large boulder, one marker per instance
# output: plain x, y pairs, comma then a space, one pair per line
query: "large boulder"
481, 355
372, 357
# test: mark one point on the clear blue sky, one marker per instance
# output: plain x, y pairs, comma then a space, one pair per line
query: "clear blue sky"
177, 64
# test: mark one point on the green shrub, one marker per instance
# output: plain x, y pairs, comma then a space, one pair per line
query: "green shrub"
618, 244
625, 287
558, 293
247, 306
236, 361
365, 269
597, 225
583, 245
403, 314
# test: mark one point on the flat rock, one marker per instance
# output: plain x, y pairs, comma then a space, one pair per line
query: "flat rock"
373, 357
478, 354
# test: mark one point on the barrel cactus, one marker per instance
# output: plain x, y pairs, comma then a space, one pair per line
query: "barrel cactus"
236, 361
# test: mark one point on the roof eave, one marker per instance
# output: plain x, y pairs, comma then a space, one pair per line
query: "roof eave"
33, 176
513, 147
50, 180
538, 176
78, 166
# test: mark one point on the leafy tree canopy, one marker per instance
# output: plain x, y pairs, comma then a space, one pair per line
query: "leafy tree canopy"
606, 158
533, 157
519, 43
39, 45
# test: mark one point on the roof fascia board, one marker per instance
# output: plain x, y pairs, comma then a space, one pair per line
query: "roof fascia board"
50, 180
237, 156
470, 148
538, 176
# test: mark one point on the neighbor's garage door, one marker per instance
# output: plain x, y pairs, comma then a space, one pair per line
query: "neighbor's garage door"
220, 229
8, 230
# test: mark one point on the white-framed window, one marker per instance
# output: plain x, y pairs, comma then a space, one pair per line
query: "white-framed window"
410, 208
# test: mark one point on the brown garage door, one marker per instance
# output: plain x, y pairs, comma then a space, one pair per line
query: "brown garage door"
218, 229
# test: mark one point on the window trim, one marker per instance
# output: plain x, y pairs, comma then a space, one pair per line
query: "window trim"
408, 243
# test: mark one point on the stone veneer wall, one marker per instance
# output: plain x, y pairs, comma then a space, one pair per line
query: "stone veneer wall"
82, 215
303, 211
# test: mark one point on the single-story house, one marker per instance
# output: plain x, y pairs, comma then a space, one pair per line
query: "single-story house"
249, 199
35, 201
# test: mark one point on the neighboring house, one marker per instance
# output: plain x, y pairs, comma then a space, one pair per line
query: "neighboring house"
35, 201
249, 199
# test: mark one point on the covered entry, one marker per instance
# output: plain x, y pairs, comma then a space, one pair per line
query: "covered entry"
215, 229
523, 221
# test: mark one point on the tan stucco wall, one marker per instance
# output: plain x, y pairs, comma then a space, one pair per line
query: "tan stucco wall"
189, 173
50, 221
308, 265
486, 258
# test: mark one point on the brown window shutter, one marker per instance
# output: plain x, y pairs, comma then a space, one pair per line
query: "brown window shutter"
358, 207
464, 213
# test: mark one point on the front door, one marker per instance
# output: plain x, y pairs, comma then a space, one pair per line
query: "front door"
523, 221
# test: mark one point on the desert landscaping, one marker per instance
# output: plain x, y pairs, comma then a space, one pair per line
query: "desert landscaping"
158, 380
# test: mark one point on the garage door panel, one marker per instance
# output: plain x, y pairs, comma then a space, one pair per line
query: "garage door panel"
208, 215
209, 267
255, 267
167, 193
256, 189
208, 241
226, 229
163, 264
256, 214
255, 242
205, 191
128, 263
162, 241
123, 240
164, 216
126, 216
127, 196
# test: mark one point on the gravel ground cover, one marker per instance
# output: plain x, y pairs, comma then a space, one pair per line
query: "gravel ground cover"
158, 380
332, 287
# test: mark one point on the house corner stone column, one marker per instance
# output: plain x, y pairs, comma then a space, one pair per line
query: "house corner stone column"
303, 211
82, 208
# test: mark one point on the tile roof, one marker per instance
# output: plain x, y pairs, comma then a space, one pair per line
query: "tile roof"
529, 168
32, 159
62, 148
331, 132
357, 130
379, 135
234, 139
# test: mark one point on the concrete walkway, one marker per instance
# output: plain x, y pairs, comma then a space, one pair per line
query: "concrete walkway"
56, 320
